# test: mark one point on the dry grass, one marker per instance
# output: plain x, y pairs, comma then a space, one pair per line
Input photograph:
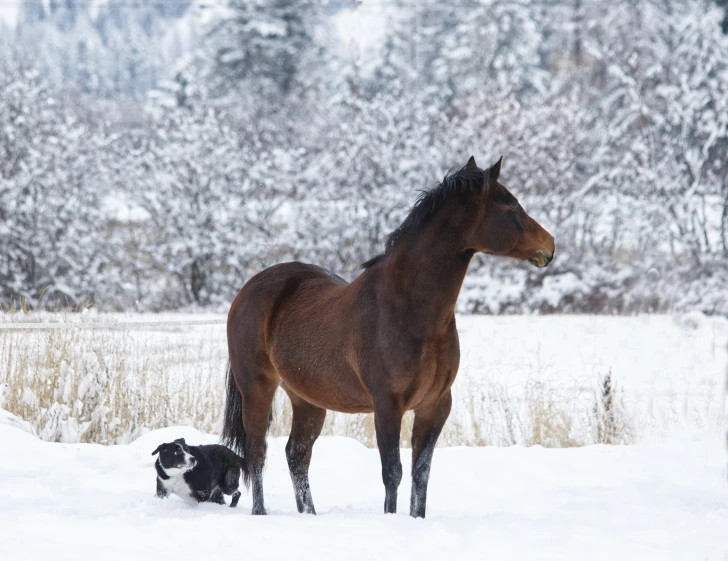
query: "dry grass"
487, 413
612, 426
107, 386
550, 424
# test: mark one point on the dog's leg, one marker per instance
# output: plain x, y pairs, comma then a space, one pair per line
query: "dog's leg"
161, 491
217, 496
235, 499
202, 496
230, 483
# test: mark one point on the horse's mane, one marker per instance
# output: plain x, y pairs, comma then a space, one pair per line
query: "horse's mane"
467, 179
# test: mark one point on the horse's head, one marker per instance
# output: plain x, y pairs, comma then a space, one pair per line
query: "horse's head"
504, 228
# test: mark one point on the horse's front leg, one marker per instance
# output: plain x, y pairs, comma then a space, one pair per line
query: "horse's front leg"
388, 423
425, 432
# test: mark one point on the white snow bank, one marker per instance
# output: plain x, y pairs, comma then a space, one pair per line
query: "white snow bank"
648, 501
7, 418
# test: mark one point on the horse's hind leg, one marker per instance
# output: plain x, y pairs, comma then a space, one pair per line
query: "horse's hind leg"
257, 392
425, 432
308, 420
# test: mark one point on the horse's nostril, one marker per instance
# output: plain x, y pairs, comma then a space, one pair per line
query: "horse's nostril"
546, 258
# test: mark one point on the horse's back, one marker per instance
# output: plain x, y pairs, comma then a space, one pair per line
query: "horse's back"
265, 293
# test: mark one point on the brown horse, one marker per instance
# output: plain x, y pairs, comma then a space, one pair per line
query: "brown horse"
384, 343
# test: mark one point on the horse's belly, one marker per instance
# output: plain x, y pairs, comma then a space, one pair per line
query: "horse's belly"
338, 390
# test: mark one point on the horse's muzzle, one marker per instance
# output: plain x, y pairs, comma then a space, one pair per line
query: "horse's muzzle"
541, 259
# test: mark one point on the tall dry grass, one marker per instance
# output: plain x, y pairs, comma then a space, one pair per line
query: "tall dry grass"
110, 386
88, 385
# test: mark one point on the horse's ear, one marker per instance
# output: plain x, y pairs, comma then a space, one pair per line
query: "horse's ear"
180, 441
157, 449
471, 163
493, 172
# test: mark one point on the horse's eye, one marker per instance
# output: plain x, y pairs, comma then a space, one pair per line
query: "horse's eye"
513, 206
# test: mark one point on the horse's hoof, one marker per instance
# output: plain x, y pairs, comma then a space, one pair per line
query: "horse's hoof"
259, 512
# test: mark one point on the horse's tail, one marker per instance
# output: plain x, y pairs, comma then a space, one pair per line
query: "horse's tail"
233, 432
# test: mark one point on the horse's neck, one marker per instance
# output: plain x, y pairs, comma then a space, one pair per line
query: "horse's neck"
424, 280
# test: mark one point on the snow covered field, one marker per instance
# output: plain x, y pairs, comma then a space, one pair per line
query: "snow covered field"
523, 381
660, 501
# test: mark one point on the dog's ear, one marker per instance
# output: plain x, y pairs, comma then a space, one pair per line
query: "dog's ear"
158, 448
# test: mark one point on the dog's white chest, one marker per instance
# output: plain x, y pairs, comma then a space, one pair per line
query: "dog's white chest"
177, 485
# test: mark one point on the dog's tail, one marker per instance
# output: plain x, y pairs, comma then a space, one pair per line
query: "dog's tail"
233, 432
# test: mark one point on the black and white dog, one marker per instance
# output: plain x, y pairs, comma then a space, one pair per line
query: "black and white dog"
198, 473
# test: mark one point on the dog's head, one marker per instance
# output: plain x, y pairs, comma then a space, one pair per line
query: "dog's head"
175, 456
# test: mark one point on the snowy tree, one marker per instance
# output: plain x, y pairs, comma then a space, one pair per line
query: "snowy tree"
130, 181
211, 195
106, 48
48, 210
257, 56
375, 157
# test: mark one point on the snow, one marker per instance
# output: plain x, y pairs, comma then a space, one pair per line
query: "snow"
668, 371
9, 12
664, 497
7, 418
365, 25
644, 353
663, 501
118, 208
